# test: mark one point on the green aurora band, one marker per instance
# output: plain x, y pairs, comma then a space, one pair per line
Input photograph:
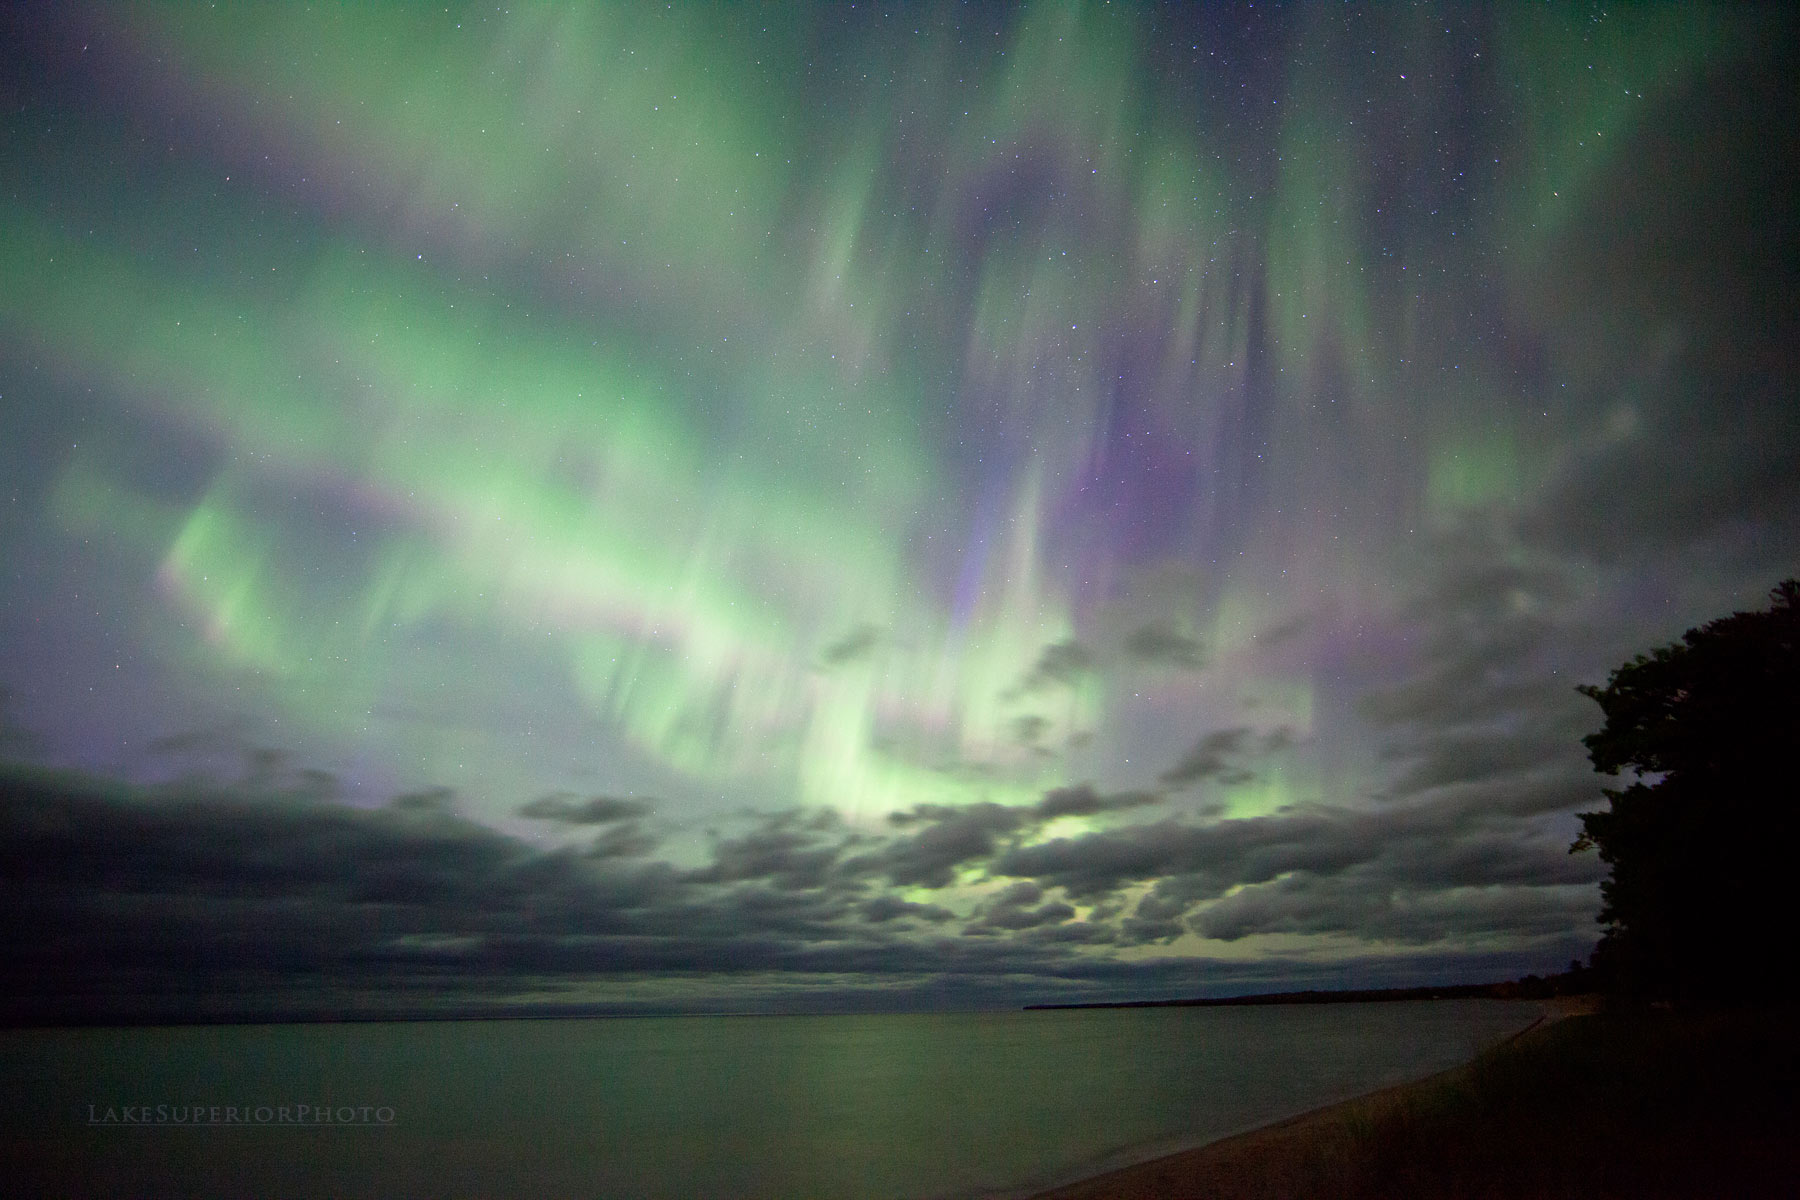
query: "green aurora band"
774, 405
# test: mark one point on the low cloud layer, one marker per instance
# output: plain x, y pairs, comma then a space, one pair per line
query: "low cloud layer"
593, 810
186, 901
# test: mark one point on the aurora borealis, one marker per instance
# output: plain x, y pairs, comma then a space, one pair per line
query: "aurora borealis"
928, 501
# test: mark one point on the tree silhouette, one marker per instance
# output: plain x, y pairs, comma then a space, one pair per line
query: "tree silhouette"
1702, 840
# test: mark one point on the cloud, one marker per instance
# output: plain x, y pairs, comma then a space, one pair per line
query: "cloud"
1308, 905
1082, 800
230, 740
1215, 755
1426, 843
624, 839
128, 900
1098, 863
882, 909
1207, 759
426, 800
594, 810
1484, 626
860, 643
118, 898
1061, 664
1156, 917
1029, 730
1693, 436
1020, 906
1282, 631
1161, 645
947, 838
1670, 486
792, 850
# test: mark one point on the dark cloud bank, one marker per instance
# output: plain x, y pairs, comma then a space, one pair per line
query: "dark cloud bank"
199, 901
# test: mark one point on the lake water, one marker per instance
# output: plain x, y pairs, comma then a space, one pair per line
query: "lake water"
851, 1107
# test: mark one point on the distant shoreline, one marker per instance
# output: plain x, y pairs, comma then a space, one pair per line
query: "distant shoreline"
1460, 991
49, 1016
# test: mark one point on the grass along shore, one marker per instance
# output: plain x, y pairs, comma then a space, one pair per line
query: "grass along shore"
1611, 1104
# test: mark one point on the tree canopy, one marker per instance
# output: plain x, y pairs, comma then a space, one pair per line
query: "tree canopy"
1701, 840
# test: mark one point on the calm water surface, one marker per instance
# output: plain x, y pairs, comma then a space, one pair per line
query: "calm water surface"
851, 1107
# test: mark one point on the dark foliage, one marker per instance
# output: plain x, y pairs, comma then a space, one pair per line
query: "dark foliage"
1629, 1104
1701, 840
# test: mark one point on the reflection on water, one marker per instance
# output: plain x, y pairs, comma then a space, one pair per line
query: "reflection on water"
858, 1107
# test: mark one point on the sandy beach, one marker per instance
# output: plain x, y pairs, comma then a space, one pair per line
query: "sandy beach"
1278, 1160
1294, 1157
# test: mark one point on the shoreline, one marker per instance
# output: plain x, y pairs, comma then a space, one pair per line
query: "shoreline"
1250, 1163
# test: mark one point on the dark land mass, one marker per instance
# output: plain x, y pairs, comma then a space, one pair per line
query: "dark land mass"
83, 1011
1635, 1103
1532, 987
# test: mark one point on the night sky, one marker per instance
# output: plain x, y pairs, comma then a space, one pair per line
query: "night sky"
796, 507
